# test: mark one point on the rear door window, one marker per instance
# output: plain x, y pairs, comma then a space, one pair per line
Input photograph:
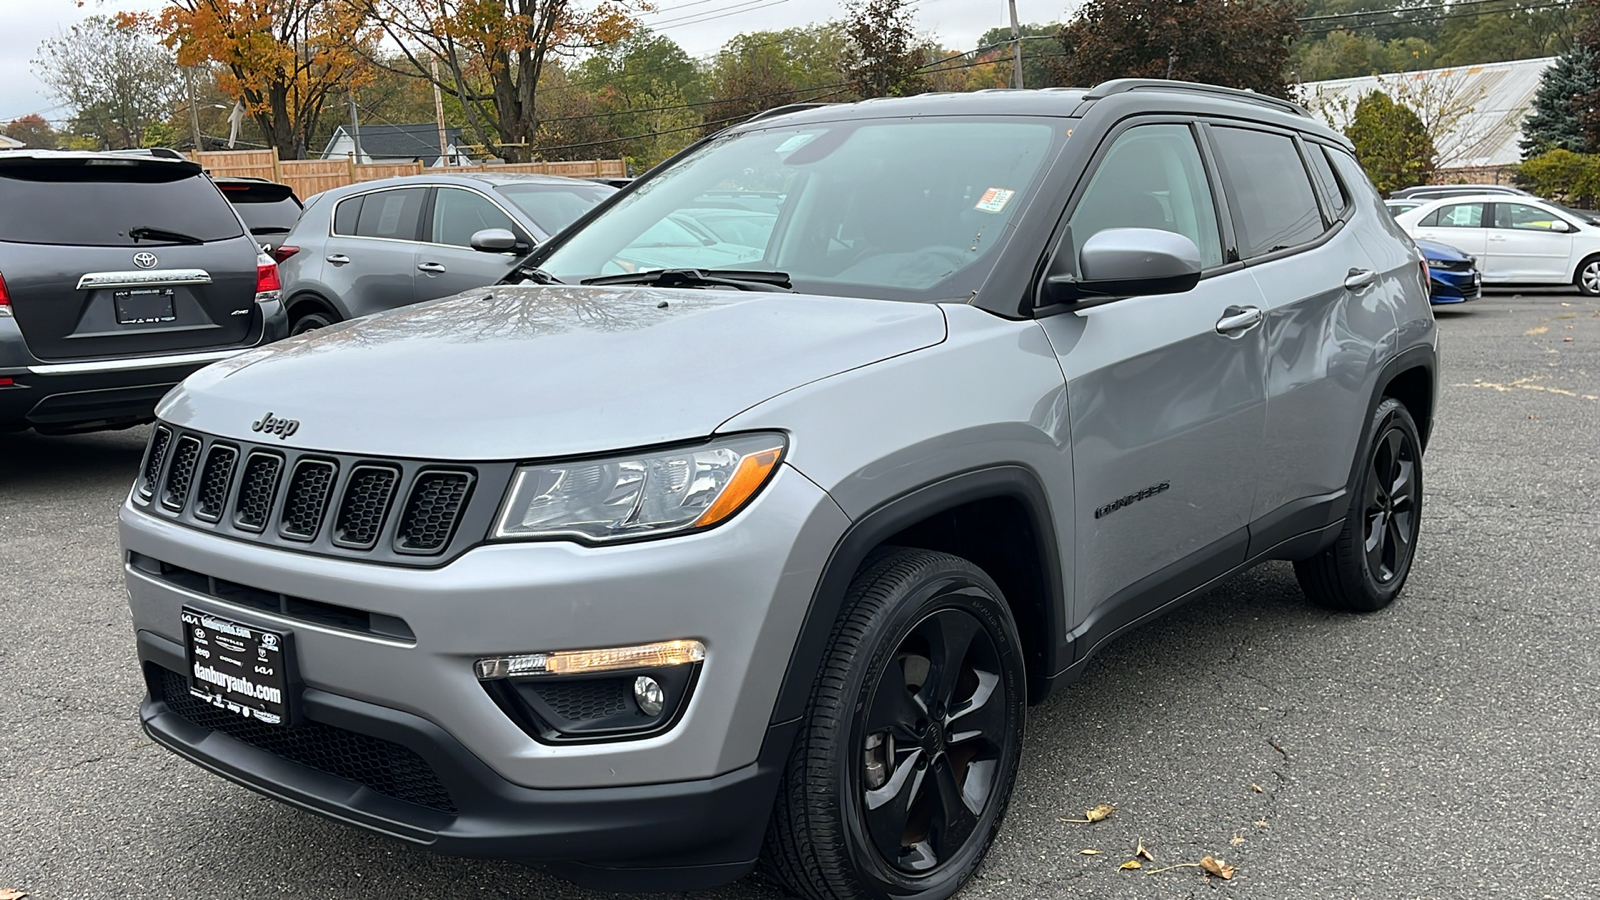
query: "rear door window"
1274, 207
1459, 215
391, 214
71, 202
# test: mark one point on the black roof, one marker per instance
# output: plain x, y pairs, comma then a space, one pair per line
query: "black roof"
402, 141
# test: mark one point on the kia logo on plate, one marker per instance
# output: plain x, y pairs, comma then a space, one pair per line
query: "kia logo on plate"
145, 260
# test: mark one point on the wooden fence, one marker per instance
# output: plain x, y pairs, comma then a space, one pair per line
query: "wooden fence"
312, 176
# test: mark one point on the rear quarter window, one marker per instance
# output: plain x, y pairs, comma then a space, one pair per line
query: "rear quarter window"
73, 203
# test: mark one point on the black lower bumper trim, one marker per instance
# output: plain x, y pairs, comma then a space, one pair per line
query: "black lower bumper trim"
678, 836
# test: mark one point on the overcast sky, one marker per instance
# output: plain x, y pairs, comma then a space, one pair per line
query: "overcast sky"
700, 26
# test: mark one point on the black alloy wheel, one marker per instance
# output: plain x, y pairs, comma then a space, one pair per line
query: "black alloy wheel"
1368, 563
935, 729
904, 766
311, 321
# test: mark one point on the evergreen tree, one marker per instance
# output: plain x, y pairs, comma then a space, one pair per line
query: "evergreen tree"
1553, 122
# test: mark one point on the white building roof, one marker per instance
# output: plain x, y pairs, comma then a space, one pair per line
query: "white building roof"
1480, 108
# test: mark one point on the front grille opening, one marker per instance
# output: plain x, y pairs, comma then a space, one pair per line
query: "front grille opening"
365, 506
432, 511
383, 767
331, 615
215, 477
181, 475
307, 499
257, 489
153, 458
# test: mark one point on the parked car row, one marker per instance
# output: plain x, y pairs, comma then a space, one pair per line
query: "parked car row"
121, 273
1513, 239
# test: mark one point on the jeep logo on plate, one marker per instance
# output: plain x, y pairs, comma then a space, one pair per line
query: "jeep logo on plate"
270, 424
144, 259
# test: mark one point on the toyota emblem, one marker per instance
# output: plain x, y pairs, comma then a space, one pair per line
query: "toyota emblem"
145, 259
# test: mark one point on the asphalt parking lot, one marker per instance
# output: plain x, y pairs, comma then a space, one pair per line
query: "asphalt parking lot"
1443, 748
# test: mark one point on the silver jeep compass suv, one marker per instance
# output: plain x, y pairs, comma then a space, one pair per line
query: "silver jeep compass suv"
747, 525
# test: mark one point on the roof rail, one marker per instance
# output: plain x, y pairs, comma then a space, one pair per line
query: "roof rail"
1124, 85
784, 110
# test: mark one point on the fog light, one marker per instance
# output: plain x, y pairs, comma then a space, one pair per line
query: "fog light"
585, 662
650, 696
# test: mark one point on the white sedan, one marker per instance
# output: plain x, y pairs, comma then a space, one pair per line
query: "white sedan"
1517, 240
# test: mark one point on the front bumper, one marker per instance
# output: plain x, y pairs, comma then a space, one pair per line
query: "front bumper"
702, 789
1447, 286
680, 836
113, 393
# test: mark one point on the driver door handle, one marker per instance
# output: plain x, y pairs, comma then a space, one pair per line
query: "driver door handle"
432, 268
337, 259
1359, 278
1238, 318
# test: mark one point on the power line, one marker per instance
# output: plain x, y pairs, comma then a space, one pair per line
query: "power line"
1440, 17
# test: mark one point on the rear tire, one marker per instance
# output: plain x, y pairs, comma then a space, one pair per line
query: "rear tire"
1587, 277
915, 719
1367, 565
311, 321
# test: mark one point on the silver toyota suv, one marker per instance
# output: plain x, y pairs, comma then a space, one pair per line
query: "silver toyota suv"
649, 569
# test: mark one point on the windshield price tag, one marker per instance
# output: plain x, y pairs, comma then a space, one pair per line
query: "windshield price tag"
994, 200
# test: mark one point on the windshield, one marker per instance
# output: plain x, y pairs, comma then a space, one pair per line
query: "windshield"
57, 203
555, 206
892, 208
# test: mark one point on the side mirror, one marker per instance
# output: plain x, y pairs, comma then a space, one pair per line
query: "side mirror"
494, 240
1125, 262
1560, 225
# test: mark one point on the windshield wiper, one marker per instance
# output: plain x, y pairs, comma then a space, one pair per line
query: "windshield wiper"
742, 279
522, 274
139, 232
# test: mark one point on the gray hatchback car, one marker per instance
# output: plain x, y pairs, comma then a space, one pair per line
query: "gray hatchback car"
380, 244
653, 572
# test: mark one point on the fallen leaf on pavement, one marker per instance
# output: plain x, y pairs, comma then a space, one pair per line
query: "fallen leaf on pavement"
1566, 340
1237, 840
1217, 867
1089, 852
1144, 853
1533, 331
1130, 864
1255, 787
12, 894
1094, 815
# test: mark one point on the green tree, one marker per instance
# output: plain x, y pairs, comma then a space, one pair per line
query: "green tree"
115, 76
1345, 54
1560, 173
1553, 121
1391, 142
1236, 43
762, 69
1035, 54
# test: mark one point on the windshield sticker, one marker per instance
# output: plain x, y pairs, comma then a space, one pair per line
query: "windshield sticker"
795, 143
994, 200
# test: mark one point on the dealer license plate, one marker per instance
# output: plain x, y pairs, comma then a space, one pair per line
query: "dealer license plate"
237, 667
144, 306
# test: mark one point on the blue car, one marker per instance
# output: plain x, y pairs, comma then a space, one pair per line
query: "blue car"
1453, 274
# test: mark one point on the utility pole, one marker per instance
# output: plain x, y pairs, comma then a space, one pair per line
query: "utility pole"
438, 108
355, 126
1016, 48
194, 113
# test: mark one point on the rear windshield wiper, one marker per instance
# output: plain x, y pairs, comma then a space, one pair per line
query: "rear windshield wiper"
269, 229
742, 279
146, 232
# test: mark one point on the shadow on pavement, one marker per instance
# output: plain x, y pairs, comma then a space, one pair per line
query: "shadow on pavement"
31, 462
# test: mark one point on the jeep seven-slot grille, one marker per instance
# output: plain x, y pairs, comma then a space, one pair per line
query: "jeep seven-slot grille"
398, 511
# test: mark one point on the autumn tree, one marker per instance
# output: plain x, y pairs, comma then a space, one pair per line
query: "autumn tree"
33, 131
114, 74
288, 60
761, 69
1391, 142
882, 55
1235, 43
491, 53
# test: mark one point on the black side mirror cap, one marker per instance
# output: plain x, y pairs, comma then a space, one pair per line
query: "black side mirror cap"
1126, 262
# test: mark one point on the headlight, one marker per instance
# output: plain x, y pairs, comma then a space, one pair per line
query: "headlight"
639, 495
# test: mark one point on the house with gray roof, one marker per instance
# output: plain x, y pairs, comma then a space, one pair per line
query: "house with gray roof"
399, 143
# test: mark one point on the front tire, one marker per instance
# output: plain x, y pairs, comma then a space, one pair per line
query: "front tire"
1367, 566
1588, 277
901, 774
311, 321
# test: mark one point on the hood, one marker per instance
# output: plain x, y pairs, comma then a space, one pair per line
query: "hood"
525, 372
1442, 252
